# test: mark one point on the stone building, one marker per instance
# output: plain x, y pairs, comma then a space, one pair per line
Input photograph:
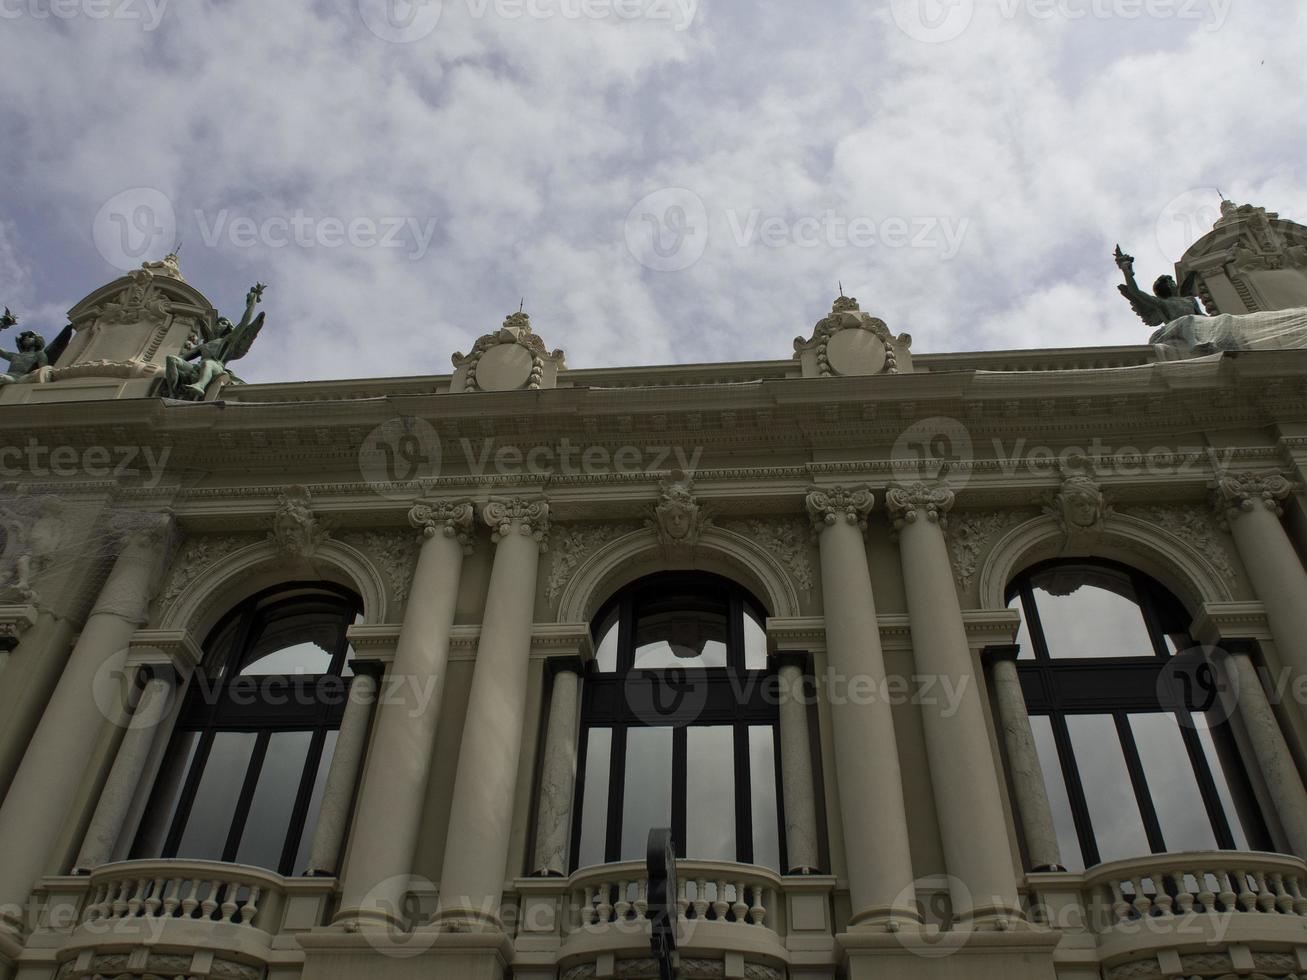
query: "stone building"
937, 665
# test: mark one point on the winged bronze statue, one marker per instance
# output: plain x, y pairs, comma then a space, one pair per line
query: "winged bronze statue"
212, 351
32, 353
1166, 303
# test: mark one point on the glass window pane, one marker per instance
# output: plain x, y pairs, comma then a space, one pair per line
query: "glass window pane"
680, 631
762, 793
300, 658
1113, 809
294, 643
1059, 801
1023, 632
1172, 783
1222, 782
209, 822
1082, 617
710, 793
315, 803
264, 835
606, 647
168, 787
755, 641
594, 797
647, 794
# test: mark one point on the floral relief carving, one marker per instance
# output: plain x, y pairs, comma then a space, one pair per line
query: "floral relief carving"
969, 534
784, 537
571, 544
1194, 527
393, 552
196, 555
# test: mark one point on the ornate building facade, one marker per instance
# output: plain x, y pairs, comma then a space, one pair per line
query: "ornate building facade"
936, 665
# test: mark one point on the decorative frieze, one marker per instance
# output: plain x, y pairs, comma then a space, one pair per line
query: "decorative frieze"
829, 505
1197, 966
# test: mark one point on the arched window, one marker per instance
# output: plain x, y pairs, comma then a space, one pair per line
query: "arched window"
679, 726
244, 774
1128, 771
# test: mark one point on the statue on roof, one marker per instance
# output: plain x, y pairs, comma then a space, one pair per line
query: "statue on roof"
32, 354
189, 374
1166, 303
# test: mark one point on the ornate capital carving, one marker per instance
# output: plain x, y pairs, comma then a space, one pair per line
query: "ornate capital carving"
509, 359
530, 517
829, 505
907, 505
1240, 493
296, 530
452, 518
850, 342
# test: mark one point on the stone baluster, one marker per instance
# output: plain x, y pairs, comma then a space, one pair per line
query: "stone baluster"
342, 777
1250, 504
49, 777
558, 772
877, 853
972, 821
394, 786
797, 788
156, 685
1023, 760
480, 820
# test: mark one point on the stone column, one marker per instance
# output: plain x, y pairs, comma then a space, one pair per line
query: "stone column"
387, 824
42, 641
870, 782
972, 823
1283, 783
342, 777
154, 686
558, 772
481, 813
50, 775
1250, 503
797, 789
1033, 810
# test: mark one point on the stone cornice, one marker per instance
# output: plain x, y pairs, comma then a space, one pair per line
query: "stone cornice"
1218, 621
174, 648
14, 621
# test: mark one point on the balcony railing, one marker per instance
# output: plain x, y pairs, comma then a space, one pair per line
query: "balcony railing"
197, 890
707, 892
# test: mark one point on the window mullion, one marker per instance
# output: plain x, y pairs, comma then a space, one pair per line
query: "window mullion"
1143, 795
187, 798
251, 783
1075, 789
680, 776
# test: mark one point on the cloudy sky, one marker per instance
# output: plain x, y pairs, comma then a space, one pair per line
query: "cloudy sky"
662, 180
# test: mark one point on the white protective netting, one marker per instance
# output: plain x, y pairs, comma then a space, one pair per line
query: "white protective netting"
1195, 336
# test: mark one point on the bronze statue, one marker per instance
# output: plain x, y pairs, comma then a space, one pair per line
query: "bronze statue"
221, 344
30, 356
1168, 302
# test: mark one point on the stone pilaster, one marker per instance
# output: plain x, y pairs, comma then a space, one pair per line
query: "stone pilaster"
973, 825
1027, 774
1250, 504
558, 772
388, 822
480, 822
50, 775
872, 812
797, 787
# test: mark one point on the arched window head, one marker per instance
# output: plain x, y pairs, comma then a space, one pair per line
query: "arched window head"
679, 726
244, 774
1128, 771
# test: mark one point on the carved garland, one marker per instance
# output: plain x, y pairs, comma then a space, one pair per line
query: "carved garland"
571, 544
784, 538
197, 554
394, 552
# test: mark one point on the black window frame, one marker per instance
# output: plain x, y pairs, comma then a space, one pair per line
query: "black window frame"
216, 702
1058, 687
734, 696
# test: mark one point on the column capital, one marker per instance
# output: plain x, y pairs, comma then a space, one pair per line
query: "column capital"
529, 516
147, 530
827, 506
907, 504
999, 652
1240, 493
452, 518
